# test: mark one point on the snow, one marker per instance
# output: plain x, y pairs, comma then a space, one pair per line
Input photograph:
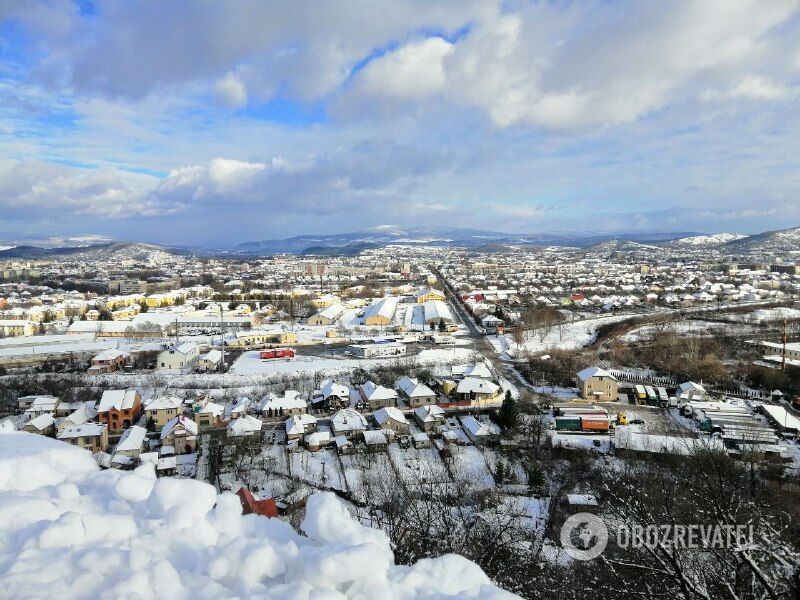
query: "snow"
710, 240
572, 336
67, 525
250, 363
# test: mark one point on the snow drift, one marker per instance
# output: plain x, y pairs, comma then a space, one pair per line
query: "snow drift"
66, 526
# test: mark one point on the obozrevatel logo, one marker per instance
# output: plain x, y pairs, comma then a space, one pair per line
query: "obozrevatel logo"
584, 536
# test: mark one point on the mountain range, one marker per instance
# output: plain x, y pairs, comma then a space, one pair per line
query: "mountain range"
771, 242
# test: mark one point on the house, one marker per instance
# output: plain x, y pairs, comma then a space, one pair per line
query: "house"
90, 436
210, 414
240, 408
245, 425
597, 384
38, 405
42, 425
428, 295
430, 417
392, 419
327, 316
163, 409
415, 393
109, 361
479, 370
375, 440
381, 312
132, 442
348, 422
83, 414
318, 439
290, 403
377, 396
119, 409
180, 433
265, 507
480, 433
298, 426
210, 361
331, 395
181, 358
343, 445
477, 391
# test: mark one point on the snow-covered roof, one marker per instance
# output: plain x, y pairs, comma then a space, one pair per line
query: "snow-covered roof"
372, 391
374, 437
297, 424
389, 413
164, 402
245, 426
117, 399
212, 408
477, 385
348, 419
132, 439
428, 414
478, 370
289, 401
412, 388
83, 430
330, 388
189, 426
590, 372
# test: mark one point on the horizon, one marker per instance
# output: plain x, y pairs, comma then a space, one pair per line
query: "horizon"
285, 120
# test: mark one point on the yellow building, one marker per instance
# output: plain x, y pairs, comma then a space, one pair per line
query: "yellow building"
597, 384
429, 294
163, 409
322, 302
16, 328
258, 339
90, 436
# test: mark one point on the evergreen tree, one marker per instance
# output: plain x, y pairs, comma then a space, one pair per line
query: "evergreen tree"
507, 416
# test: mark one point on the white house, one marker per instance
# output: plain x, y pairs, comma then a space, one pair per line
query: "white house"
182, 358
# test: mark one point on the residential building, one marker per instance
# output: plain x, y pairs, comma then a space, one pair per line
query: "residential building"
430, 417
161, 410
415, 393
377, 396
181, 433
132, 442
182, 358
119, 409
597, 384
108, 361
391, 418
90, 436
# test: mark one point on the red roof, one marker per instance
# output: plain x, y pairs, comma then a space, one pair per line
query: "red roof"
265, 508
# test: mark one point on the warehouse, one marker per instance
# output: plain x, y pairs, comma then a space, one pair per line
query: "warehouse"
378, 349
381, 312
327, 316
437, 312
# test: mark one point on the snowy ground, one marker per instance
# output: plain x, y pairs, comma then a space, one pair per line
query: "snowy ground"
570, 336
66, 525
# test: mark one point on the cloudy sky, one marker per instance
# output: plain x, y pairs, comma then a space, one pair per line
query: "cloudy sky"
194, 121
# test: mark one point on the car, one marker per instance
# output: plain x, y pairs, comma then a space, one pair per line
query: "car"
636, 422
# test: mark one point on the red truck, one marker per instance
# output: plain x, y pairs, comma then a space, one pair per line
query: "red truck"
277, 353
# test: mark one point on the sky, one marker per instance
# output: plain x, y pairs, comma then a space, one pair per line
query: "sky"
201, 122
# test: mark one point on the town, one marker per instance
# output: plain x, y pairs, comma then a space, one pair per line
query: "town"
502, 381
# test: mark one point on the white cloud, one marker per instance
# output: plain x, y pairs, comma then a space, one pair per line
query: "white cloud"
231, 92
29, 188
412, 72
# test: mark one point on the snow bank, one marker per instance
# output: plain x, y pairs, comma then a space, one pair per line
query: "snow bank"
66, 525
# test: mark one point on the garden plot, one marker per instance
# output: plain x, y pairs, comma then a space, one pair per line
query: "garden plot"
418, 466
362, 470
514, 469
319, 469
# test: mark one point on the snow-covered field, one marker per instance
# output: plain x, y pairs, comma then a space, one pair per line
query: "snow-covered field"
250, 363
570, 336
66, 526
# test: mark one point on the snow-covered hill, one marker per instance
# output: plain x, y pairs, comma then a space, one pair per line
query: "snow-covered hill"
708, 240
68, 527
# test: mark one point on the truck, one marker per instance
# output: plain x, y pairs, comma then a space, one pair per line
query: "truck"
568, 423
652, 397
277, 353
641, 394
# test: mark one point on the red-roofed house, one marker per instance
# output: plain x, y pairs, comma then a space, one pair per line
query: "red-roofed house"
265, 507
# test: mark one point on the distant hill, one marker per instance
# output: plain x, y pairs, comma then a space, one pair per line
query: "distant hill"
104, 250
383, 235
782, 241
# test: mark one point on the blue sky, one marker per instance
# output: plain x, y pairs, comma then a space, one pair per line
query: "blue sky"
203, 122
